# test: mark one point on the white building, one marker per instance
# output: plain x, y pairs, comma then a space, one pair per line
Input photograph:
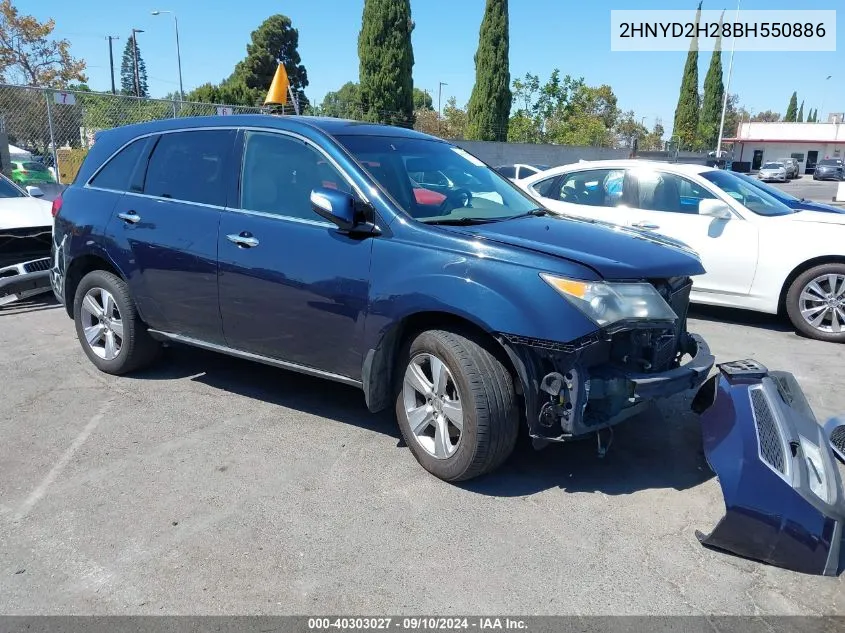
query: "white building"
809, 143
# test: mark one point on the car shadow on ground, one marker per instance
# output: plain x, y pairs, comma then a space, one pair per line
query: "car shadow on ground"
733, 316
660, 448
276, 386
37, 303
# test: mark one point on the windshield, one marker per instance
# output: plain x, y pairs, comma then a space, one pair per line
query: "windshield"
830, 161
434, 181
751, 197
772, 191
34, 167
773, 166
8, 190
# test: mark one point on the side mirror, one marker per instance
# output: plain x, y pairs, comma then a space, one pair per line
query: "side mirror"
35, 192
335, 206
715, 209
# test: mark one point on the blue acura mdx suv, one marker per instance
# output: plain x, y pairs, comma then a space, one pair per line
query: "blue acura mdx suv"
310, 244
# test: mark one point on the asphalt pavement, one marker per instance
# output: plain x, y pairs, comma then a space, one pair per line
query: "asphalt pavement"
209, 485
806, 187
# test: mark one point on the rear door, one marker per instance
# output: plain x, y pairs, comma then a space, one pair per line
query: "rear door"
590, 193
167, 231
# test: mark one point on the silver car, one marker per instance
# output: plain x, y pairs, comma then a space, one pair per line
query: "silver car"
793, 169
773, 171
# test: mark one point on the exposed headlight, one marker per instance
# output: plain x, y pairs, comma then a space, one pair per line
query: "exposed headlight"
606, 303
815, 467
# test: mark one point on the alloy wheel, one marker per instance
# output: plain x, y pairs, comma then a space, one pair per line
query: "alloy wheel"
822, 303
433, 406
101, 323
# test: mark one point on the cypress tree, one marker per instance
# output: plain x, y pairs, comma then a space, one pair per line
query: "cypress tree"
792, 109
714, 95
801, 113
686, 112
488, 111
127, 71
386, 62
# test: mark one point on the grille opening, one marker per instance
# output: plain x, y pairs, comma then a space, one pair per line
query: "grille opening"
771, 447
837, 438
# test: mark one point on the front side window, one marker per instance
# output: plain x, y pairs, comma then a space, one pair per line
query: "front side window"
468, 192
118, 172
753, 198
508, 171
279, 172
656, 190
8, 190
190, 166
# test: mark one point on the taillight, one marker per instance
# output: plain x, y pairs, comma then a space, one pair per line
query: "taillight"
57, 206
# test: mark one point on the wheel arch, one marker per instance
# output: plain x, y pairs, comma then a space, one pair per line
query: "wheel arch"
81, 266
379, 364
802, 268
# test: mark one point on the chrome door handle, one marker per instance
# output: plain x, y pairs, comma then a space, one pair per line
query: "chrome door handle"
645, 225
130, 216
243, 241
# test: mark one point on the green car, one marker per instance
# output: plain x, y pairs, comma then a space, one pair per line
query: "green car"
26, 172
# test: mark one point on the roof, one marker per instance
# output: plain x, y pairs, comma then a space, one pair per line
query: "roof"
328, 125
781, 140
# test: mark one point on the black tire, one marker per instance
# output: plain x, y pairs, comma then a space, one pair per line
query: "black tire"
137, 349
489, 405
793, 308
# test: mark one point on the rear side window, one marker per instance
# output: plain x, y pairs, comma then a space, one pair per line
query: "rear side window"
117, 173
508, 171
190, 166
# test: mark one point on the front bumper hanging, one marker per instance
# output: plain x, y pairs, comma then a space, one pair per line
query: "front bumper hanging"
24, 280
784, 501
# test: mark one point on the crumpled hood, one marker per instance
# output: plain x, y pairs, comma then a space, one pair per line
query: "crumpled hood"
615, 252
18, 213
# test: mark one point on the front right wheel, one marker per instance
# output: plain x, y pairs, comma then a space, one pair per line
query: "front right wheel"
456, 405
815, 303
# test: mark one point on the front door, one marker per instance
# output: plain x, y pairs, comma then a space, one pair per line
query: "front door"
667, 203
292, 287
812, 159
168, 231
757, 160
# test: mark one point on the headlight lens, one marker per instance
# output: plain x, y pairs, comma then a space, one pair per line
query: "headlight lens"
606, 303
815, 468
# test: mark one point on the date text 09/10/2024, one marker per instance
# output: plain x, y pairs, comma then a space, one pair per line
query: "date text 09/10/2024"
419, 623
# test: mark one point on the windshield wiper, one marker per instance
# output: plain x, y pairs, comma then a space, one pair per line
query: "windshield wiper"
534, 212
461, 221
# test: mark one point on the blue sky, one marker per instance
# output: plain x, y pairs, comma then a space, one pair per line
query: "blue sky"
568, 34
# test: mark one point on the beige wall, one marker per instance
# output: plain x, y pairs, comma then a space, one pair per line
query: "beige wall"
772, 151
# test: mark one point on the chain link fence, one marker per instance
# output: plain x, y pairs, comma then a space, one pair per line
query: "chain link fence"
55, 129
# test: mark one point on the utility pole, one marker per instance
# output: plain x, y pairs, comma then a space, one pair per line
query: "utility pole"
178, 51
728, 86
111, 60
439, 105
135, 61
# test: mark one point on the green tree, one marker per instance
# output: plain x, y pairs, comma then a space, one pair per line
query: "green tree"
455, 120
29, 56
767, 116
734, 114
792, 109
386, 62
714, 95
422, 100
686, 113
653, 141
628, 128
814, 116
490, 103
274, 42
127, 71
801, 113
344, 103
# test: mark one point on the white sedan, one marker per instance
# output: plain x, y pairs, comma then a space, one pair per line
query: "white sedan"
759, 254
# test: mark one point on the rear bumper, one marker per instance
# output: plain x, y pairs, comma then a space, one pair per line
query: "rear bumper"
23, 280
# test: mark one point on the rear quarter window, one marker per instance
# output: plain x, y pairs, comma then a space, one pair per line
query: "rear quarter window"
117, 174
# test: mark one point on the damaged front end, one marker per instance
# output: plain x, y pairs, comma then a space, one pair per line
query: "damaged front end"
784, 502
576, 389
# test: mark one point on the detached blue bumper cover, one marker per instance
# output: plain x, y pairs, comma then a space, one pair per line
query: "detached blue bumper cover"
783, 494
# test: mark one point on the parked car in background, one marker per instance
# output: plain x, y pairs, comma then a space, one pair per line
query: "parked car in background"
520, 170
773, 171
31, 172
829, 169
25, 229
226, 233
759, 254
793, 169
797, 204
